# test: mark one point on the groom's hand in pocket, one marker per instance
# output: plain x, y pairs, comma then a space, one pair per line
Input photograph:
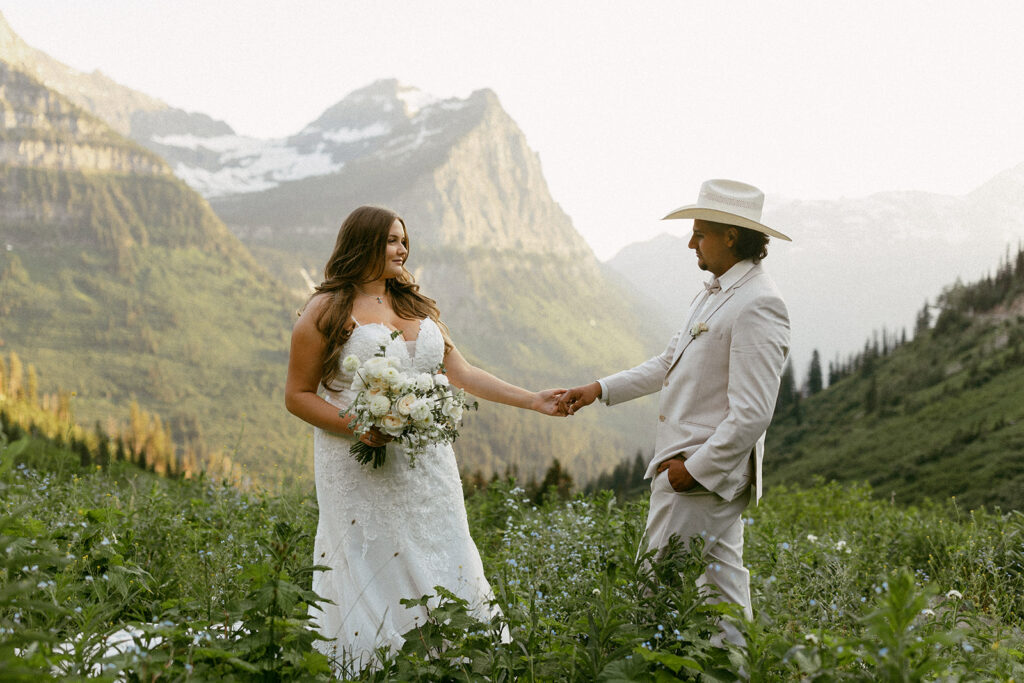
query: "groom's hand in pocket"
678, 476
580, 397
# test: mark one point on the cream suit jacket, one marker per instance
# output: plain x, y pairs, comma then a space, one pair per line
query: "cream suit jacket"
718, 389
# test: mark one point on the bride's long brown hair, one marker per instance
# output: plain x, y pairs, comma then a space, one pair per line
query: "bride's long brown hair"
358, 258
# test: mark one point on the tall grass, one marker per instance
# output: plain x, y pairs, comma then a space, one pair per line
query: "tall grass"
204, 582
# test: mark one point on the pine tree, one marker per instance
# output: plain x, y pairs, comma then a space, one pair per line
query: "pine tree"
787, 389
814, 378
923, 321
557, 482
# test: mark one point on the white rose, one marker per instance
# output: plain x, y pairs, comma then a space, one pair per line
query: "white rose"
357, 383
441, 380
351, 363
391, 375
420, 411
379, 405
426, 422
393, 424
424, 382
405, 404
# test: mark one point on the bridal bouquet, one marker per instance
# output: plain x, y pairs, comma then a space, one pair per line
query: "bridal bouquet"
416, 409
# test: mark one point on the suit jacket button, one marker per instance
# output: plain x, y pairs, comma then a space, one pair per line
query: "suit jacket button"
661, 417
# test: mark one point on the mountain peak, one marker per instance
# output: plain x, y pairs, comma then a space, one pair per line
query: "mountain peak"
386, 101
13, 49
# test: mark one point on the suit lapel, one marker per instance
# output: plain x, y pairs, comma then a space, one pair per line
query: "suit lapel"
710, 313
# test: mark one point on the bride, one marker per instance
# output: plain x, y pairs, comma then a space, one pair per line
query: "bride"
393, 532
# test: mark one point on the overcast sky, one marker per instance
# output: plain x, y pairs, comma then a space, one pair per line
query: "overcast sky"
629, 104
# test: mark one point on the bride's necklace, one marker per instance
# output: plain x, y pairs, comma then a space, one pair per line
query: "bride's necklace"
373, 296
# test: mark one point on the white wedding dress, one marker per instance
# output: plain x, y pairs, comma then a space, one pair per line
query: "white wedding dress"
389, 533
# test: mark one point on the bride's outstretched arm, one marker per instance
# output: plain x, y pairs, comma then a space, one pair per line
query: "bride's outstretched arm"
483, 384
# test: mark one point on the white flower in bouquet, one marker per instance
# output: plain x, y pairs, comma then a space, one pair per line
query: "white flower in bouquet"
421, 410
452, 409
393, 424
374, 367
416, 409
351, 363
379, 405
405, 404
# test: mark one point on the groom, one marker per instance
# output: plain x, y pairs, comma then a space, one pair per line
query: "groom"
719, 378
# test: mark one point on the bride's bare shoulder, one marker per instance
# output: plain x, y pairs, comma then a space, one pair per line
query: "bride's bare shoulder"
311, 312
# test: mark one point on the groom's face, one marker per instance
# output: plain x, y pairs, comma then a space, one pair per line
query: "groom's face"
713, 245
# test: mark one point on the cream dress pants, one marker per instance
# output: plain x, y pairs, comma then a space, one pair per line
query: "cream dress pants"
700, 512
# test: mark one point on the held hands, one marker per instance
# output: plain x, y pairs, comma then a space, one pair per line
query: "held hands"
678, 476
579, 397
549, 403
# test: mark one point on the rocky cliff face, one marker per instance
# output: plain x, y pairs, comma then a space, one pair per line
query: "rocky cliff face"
522, 292
524, 295
119, 283
41, 129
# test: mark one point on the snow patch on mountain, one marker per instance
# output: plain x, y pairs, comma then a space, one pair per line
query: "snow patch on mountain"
349, 135
249, 164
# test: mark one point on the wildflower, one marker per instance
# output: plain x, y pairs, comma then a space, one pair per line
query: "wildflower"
785, 546
813, 602
883, 652
597, 591
967, 647
811, 638
812, 538
954, 593
928, 612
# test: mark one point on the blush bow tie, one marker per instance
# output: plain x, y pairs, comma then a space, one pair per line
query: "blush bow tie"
713, 286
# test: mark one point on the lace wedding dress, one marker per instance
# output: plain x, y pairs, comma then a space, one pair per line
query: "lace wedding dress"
389, 533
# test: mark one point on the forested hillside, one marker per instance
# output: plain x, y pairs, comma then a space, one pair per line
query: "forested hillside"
120, 284
932, 414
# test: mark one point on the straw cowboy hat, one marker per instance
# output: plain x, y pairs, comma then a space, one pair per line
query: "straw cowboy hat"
730, 202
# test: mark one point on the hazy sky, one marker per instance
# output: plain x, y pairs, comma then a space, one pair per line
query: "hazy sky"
629, 104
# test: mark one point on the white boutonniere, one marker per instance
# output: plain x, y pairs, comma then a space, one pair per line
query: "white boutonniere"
698, 329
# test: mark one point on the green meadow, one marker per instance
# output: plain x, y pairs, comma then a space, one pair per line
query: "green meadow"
212, 583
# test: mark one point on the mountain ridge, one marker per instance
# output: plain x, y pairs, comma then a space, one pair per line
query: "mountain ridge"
122, 284
517, 284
